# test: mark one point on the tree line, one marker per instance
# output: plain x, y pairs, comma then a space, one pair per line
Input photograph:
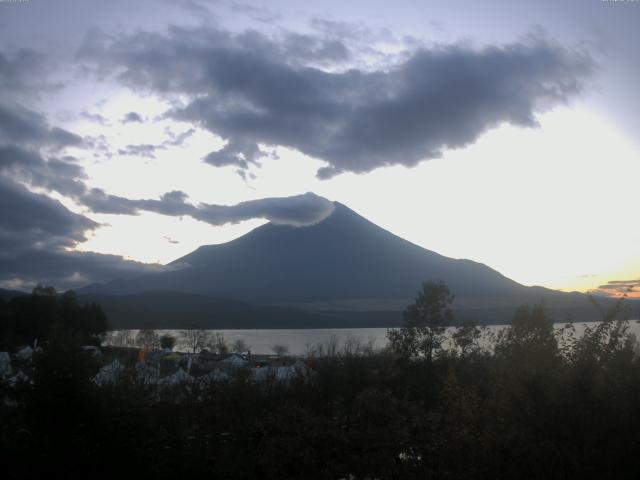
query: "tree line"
27, 319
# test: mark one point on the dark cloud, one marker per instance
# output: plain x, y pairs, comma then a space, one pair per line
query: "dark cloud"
36, 235
172, 204
148, 150
132, 117
62, 175
630, 288
256, 90
297, 210
19, 125
307, 48
67, 269
25, 73
237, 152
144, 150
177, 139
95, 118
22, 78
35, 220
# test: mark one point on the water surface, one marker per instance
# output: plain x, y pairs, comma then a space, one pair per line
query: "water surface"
301, 341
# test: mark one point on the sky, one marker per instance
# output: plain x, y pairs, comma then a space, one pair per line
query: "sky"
505, 132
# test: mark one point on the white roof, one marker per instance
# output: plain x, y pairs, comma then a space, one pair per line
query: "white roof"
25, 354
109, 374
177, 378
235, 360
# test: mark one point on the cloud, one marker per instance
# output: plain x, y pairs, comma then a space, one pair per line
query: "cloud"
37, 235
31, 153
298, 210
616, 288
35, 220
61, 175
255, 90
236, 152
148, 150
358, 33
25, 73
177, 139
95, 118
132, 117
19, 125
145, 150
67, 269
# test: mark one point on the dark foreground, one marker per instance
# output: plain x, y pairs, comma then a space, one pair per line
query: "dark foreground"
529, 408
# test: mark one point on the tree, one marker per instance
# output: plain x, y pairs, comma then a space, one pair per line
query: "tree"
466, 338
44, 291
280, 350
196, 340
121, 339
167, 341
148, 339
425, 322
220, 344
530, 341
45, 313
240, 346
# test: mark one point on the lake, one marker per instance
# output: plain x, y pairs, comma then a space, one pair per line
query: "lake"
300, 341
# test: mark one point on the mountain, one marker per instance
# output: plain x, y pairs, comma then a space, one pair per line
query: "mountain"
342, 264
343, 257
7, 295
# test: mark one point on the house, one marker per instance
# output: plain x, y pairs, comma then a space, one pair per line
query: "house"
233, 362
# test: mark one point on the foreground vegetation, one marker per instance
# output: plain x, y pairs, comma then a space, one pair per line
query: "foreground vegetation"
535, 404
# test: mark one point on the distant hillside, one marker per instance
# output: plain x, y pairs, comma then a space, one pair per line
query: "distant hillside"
7, 295
187, 310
